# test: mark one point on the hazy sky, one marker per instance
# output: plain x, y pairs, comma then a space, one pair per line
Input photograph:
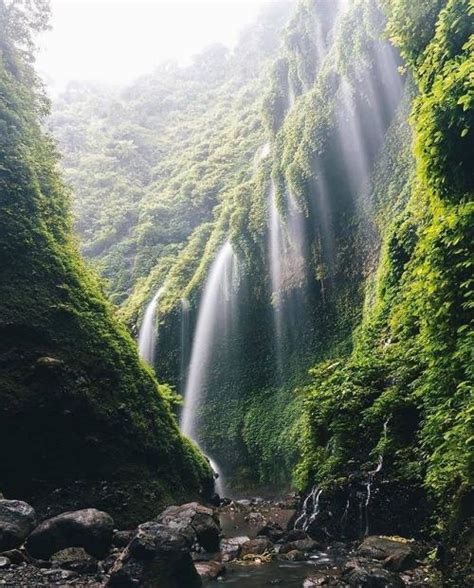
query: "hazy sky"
118, 40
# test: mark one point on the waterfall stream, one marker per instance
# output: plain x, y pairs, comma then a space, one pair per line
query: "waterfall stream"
148, 330
215, 318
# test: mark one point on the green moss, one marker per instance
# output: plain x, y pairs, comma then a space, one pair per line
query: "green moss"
76, 401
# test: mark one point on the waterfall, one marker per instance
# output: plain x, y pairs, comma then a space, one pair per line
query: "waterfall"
288, 267
148, 332
310, 509
262, 153
215, 318
184, 351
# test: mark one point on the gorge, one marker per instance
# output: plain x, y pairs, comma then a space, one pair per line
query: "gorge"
258, 265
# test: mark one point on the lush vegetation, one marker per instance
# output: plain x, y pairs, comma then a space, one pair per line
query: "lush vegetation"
366, 108
77, 404
412, 363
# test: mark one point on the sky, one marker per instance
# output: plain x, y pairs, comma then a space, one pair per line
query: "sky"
115, 41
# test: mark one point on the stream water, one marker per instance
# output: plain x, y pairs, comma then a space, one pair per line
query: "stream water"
275, 573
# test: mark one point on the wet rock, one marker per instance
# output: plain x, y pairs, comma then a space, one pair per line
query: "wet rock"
89, 528
294, 535
397, 554
230, 548
123, 538
75, 559
210, 570
363, 573
195, 522
15, 556
271, 530
4, 562
157, 557
256, 546
294, 555
17, 520
305, 545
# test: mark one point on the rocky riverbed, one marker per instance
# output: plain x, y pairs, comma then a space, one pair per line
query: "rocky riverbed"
247, 543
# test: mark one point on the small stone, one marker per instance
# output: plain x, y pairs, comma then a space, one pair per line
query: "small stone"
4, 562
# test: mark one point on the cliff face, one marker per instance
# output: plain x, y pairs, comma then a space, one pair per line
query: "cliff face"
341, 179
77, 405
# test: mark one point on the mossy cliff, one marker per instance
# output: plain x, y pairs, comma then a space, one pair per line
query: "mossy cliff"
76, 403
355, 133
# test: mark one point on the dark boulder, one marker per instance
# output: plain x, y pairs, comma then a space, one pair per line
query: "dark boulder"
17, 520
210, 570
230, 548
294, 535
89, 528
396, 553
157, 557
273, 531
304, 545
123, 538
363, 573
195, 522
256, 546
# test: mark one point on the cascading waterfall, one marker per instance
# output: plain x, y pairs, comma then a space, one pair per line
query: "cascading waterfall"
148, 331
216, 315
184, 351
310, 509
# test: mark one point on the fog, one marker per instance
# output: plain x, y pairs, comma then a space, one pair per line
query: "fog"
116, 41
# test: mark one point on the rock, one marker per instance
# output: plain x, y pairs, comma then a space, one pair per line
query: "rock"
230, 548
17, 520
210, 570
195, 522
256, 546
363, 573
4, 562
271, 530
123, 538
305, 545
294, 555
313, 582
294, 535
89, 528
157, 557
15, 556
75, 559
396, 553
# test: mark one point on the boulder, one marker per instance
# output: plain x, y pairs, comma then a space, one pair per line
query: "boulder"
256, 546
397, 553
230, 548
157, 557
210, 570
294, 555
89, 528
295, 535
75, 559
363, 573
17, 520
15, 556
304, 545
123, 538
271, 530
195, 522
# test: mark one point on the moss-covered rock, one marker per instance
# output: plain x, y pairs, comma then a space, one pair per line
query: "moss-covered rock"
76, 402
